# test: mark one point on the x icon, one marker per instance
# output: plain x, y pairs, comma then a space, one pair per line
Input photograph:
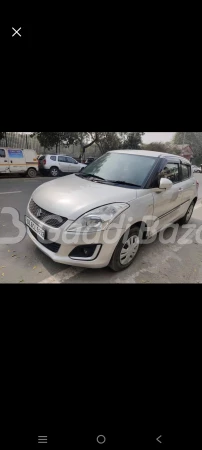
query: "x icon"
16, 31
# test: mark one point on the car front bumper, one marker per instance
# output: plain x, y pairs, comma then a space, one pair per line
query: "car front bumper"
105, 243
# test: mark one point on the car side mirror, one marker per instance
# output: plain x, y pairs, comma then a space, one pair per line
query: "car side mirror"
165, 183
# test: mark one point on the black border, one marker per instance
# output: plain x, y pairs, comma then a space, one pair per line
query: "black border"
88, 364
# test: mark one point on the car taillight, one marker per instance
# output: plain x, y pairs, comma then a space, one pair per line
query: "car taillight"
44, 161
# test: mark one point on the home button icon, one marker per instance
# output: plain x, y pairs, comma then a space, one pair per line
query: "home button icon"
101, 439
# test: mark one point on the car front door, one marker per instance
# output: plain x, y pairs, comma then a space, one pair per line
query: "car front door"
63, 164
74, 165
189, 185
17, 162
4, 163
168, 203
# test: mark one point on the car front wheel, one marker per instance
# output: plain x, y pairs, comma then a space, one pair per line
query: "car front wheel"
126, 250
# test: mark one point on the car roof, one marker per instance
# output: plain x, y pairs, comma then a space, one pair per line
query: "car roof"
61, 154
153, 154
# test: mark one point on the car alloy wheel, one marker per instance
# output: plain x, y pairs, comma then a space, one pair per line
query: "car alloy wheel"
129, 250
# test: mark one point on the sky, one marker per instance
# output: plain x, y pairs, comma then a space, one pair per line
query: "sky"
158, 136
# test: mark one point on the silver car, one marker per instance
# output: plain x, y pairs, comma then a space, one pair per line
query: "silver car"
55, 165
99, 217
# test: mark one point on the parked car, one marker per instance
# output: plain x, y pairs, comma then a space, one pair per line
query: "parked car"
18, 161
196, 169
99, 217
89, 160
56, 164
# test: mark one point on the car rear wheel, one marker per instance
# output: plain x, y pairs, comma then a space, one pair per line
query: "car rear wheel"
126, 250
188, 214
31, 173
54, 172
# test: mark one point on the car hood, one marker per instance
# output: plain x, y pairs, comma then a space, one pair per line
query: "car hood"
72, 196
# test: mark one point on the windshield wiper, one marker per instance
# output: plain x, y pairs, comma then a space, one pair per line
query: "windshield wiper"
124, 183
89, 175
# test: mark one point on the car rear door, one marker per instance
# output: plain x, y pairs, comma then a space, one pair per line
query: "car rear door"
4, 163
17, 162
168, 203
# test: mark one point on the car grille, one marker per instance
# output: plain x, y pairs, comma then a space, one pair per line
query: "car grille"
54, 221
52, 246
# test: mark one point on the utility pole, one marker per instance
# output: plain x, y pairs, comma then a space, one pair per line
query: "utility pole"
184, 137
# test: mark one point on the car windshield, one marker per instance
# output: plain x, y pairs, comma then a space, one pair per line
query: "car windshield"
120, 168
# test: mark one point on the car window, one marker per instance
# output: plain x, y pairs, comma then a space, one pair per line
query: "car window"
2, 153
62, 159
53, 158
71, 160
186, 171
171, 171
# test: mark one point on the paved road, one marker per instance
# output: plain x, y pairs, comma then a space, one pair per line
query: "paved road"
24, 263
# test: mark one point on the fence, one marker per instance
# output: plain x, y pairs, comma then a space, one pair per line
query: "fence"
15, 139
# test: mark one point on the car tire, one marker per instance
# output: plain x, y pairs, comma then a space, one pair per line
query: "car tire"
31, 173
54, 172
188, 214
122, 258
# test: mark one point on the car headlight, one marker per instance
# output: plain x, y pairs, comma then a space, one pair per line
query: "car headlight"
98, 219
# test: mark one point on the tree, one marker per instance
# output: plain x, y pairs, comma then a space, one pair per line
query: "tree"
162, 147
133, 140
49, 139
105, 140
192, 138
85, 138
108, 140
113, 140
2, 134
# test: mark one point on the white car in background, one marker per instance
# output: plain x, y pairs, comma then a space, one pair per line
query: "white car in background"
196, 169
56, 164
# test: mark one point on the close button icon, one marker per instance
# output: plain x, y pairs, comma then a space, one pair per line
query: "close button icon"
16, 32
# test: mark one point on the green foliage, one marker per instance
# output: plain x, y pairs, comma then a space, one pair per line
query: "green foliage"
108, 140
162, 148
49, 139
133, 140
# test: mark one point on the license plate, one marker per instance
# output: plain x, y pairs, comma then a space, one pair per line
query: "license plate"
38, 230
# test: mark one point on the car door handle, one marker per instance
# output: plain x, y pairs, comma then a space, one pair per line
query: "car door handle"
181, 189
5, 160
